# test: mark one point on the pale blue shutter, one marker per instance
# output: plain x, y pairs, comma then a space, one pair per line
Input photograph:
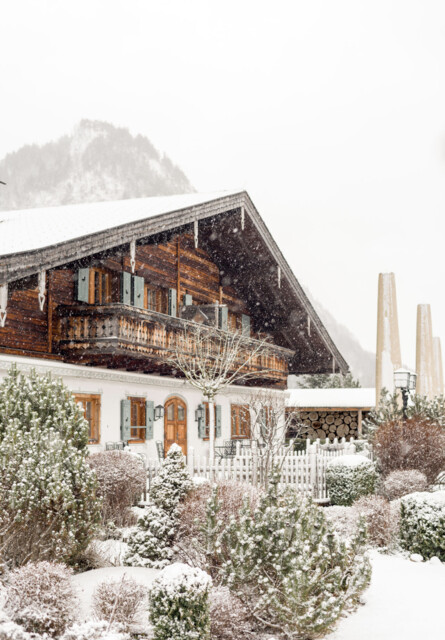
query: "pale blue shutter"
126, 287
172, 302
201, 422
149, 418
223, 318
83, 285
125, 420
245, 325
138, 292
188, 300
217, 421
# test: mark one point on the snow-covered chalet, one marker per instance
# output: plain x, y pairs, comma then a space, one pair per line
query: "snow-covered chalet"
93, 293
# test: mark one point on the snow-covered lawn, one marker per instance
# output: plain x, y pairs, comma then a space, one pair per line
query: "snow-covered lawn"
86, 583
405, 601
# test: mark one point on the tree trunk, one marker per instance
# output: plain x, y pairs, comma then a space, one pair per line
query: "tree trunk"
211, 432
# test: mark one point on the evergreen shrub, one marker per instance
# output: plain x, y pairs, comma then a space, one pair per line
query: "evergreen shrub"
172, 482
350, 477
422, 524
179, 604
150, 543
48, 504
287, 566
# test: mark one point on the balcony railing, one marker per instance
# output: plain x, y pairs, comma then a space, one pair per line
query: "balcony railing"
141, 334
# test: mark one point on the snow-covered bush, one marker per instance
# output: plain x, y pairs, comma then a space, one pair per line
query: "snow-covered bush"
121, 479
229, 617
48, 503
150, 544
343, 520
402, 482
350, 477
422, 524
172, 482
380, 521
11, 631
190, 538
119, 601
93, 630
411, 444
41, 598
179, 603
288, 568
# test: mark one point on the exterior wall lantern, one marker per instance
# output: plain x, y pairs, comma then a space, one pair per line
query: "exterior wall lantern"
159, 411
200, 413
405, 381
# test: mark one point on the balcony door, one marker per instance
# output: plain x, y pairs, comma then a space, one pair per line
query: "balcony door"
175, 424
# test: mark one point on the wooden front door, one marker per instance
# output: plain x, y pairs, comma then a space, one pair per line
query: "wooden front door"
175, 424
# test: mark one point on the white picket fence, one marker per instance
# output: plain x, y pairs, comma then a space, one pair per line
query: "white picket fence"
305, 470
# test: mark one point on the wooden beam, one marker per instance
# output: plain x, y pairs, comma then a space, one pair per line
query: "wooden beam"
178, 270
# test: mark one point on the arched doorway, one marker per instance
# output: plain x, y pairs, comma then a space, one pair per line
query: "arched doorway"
175, 424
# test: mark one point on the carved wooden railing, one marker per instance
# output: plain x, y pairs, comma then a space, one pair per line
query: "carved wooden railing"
114, 328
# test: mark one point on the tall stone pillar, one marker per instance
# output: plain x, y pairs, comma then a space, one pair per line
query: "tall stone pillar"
438, 368
388, 356
424, 352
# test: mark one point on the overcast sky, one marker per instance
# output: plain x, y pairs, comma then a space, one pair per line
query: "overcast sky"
330, 113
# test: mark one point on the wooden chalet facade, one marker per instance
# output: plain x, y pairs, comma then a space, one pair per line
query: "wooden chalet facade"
99, 294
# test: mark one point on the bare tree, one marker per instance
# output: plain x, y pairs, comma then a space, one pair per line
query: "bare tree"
212, 359
270, 422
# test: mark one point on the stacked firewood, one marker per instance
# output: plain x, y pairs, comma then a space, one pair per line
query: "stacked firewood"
329, 424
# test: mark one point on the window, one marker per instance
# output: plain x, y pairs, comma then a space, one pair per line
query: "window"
137, 419
100, 285
91, 410
240, 419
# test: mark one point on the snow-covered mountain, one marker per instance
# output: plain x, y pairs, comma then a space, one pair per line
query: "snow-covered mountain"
98, 161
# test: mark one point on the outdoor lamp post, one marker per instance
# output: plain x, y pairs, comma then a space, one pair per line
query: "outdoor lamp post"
405, 381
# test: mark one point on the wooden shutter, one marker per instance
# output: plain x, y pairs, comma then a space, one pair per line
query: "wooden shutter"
188, 300
172, 302
149, 418
223, 318
125, 420
245, 325
217, 421
83, 285
138, 291
201, 422
126, 287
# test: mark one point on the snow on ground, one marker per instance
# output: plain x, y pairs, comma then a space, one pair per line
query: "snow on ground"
86, 583
405, 601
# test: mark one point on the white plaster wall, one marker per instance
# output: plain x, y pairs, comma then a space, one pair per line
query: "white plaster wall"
114, 386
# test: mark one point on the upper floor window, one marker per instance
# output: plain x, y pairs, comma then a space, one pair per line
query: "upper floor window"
91, 411
94, 285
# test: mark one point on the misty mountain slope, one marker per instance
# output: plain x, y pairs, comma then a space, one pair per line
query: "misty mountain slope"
98, 161
361, 362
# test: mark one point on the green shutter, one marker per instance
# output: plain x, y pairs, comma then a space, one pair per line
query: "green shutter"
125, 420
217, 421
245, 325
223, 318
201, 422
138, 292
149, 418
172, 302
126, 287
187, 299
83, 285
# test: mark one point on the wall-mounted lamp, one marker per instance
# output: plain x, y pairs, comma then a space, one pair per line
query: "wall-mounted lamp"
159, 411
200, 413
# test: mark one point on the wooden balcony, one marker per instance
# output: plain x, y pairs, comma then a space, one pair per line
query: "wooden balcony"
122, 336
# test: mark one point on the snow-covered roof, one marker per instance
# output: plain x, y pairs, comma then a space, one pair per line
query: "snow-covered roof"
334, 398
31, 229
